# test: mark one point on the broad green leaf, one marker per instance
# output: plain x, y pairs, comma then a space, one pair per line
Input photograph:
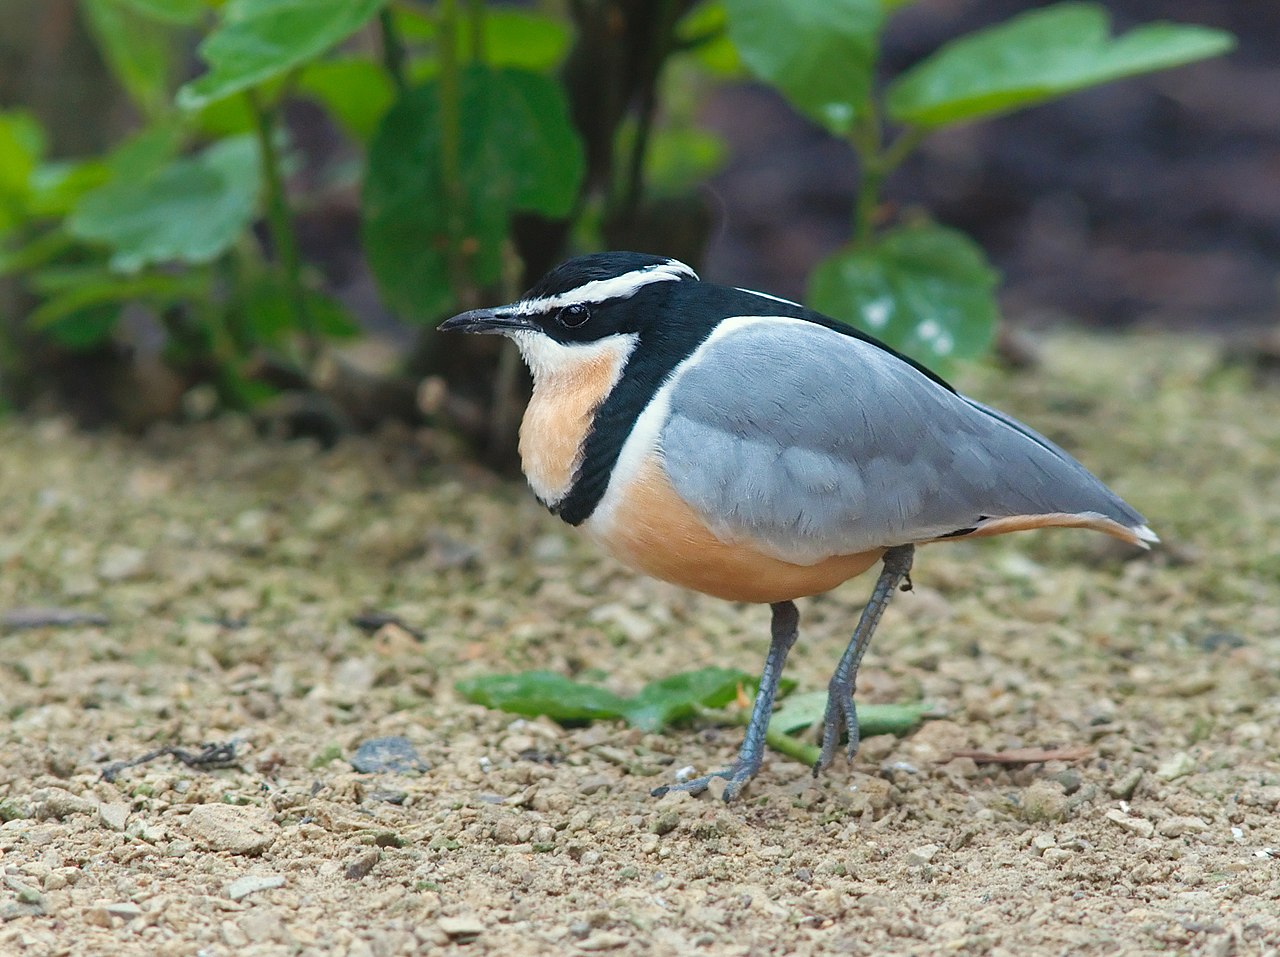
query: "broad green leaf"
820, 54
512, 38
139, 51
704, 34
680, 158
261, 39
80, 289
21, 146
269, 314
177, 12
190, 210
1039, 56
662, 702
85, 328
146, 152
39, 251
356, 92
802, 711
926, 290
517, 152
56, 187
534, 693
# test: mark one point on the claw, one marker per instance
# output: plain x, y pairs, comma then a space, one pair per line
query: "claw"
735, 778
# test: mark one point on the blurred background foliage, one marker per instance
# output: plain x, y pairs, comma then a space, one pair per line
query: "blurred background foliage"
269, 203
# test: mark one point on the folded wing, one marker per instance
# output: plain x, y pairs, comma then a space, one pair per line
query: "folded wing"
810, 443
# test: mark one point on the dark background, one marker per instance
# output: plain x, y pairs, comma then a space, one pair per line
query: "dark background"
1150, 202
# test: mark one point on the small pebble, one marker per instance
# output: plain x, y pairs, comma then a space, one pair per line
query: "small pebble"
466, 927
242, 887
226, 827
114, 816
392, 755
1175, 766
1125, 787
1134, 825
1178, 826
125, 910
362, 865
923, 854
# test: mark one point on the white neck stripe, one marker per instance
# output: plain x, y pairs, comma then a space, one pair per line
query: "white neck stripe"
598, 290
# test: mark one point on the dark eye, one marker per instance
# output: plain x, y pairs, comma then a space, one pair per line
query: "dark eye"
573, 316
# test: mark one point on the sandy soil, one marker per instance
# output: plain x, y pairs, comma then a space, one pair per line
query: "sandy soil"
229, 572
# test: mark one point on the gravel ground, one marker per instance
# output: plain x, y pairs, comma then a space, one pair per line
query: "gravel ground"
227, 572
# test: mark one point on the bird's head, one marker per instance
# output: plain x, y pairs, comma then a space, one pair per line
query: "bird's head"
602, 301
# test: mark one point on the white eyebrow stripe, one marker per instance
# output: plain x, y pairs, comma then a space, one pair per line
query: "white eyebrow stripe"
765, 295
598, 290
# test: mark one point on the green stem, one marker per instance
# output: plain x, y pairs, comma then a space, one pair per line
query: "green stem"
866, 137
658, 53
393, 55
475, 12
779, 741
283, 238
450, 144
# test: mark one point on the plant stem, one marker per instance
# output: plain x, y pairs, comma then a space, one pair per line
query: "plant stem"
778, 740
878, 161
283, 238
475, 11
450, 144
657, 54
393, 55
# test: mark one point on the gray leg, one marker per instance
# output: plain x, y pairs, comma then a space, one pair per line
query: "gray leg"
842, 713
786, 625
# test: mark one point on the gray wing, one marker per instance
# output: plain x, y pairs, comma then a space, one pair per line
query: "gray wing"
812, 443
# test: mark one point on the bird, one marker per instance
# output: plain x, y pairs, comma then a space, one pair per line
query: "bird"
742, 445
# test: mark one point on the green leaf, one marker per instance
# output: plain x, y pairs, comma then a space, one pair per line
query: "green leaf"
533, 693
681, 158
139, 51
80, 289
512, 38
56, 187
356, 92
704, 33
820, 54
270, 317
926, 290
802, 711
1039, 56
177, 12
85, 328
36, 253
261, 39
191, 210
22, 144
517, 152
662, 702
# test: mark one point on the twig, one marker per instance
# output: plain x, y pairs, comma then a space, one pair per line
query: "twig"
209, 758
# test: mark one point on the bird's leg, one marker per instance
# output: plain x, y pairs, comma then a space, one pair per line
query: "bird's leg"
785, 628
842, 713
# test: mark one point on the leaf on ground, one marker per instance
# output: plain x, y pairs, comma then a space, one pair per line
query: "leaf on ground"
533, 693
662, 702
1039, 56
926, 290
258, 40
807, 709
658, 704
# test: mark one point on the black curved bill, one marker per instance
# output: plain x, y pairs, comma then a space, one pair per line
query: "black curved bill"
486, 321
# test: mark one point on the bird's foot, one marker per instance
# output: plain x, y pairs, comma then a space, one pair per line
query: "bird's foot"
841, 718
735, 780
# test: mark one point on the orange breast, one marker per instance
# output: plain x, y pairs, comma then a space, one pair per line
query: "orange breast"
558, 418
655, 532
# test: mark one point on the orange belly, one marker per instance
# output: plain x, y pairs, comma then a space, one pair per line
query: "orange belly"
655, 532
